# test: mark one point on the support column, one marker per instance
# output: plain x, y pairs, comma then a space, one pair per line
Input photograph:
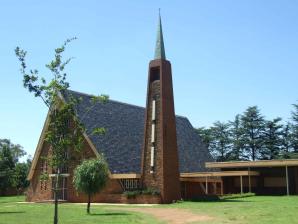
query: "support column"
214, 188
206, 185
287, 181
249, 180
221, 187
241, 184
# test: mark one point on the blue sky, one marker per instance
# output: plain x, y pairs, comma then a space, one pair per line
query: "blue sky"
225, 55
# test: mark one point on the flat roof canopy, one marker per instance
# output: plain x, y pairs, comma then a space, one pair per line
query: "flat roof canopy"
260, 163
192, 175
125, 176
220, 174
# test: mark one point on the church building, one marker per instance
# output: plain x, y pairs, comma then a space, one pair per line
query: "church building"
146, 148
153, 150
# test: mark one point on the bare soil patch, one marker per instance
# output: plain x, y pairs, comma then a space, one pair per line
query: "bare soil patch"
171, 215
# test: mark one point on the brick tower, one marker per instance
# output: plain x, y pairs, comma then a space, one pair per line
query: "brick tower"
160, 168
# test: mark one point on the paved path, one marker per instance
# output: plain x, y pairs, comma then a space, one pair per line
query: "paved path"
171, 215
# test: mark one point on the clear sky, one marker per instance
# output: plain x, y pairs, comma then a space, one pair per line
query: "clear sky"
225, 55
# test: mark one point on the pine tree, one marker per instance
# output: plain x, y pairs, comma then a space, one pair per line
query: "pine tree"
295, 128
237, 139
206, 136
253, 127
286, 140
272, 139
220, 146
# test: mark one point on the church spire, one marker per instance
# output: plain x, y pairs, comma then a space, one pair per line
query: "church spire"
159, 47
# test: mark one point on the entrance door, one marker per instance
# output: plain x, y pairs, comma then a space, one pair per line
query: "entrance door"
62, 188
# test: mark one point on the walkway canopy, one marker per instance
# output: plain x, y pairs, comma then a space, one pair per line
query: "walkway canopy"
215, 178
257, 164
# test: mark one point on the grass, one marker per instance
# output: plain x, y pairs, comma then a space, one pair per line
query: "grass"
16, 213
254, 209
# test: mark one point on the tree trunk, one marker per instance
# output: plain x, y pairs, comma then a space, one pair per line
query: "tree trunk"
88, 205
253, 153
56, 200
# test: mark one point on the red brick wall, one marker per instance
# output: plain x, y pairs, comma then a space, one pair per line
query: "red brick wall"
37, 193
112, 193
166, 173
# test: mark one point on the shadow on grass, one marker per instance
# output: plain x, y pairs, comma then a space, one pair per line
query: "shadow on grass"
216, 201
110, 214
11, 212
225, 198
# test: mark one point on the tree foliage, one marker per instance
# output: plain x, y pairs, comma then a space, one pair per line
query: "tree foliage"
237, 139
295, 128
272, 139
65, 130
90, 177
13, 174
221, 144
250, 137
253, 127
206, 135
7, 166
20, 175
17, 150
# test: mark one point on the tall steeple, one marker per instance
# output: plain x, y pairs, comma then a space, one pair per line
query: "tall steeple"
160, 162
159, 47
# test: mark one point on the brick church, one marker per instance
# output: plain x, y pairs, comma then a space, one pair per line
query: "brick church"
145, 148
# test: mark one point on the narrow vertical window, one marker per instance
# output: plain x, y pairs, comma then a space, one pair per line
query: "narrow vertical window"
152, 157
153, 110
153, 133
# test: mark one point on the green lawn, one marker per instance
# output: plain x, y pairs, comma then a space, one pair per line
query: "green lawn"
257, 210
40, 213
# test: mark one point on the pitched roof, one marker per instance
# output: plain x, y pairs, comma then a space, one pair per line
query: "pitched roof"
122, 143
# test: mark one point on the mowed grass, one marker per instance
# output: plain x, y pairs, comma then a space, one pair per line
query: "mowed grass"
12, 212
256, 209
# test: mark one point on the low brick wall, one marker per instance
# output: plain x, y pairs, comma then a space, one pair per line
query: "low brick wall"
119, 198
141, 199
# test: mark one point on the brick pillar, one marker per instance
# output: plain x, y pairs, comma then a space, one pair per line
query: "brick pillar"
160, 168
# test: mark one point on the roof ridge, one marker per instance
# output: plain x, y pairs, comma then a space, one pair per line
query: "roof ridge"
116, 101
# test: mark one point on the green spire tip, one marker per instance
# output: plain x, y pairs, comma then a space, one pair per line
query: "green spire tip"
159, 47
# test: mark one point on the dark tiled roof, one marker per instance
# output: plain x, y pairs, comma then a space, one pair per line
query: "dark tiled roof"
122, 143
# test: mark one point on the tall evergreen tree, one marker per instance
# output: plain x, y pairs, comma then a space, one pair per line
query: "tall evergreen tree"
295, 128
253, 126
220, 145
206, 135
237, 138
286, 140
272, 139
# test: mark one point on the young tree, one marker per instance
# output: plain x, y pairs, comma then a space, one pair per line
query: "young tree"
90, 177
253, 127
272, 139
237, 138
64, 131
59, 135
221, 145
